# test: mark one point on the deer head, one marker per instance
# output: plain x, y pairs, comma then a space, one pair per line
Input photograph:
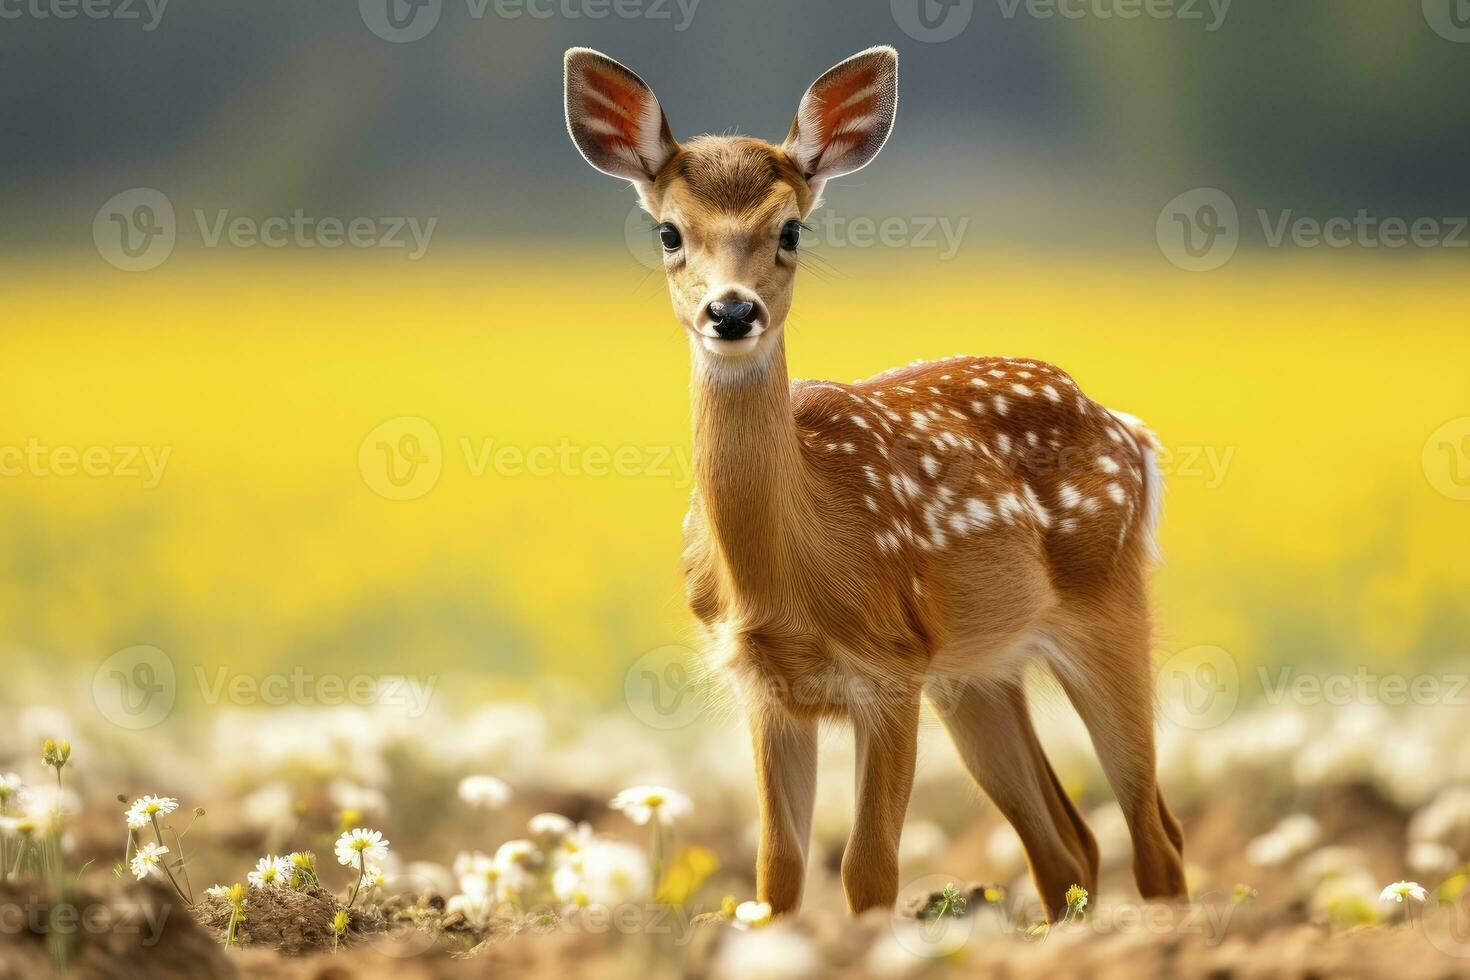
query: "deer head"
729, 209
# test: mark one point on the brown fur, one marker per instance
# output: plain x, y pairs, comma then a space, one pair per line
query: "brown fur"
933, 530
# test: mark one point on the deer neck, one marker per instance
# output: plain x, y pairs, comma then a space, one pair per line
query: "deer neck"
753, 482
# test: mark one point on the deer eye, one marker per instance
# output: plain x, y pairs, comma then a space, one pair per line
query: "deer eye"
790, 235
669, 237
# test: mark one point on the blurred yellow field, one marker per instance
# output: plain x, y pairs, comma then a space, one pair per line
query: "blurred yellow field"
1296, 396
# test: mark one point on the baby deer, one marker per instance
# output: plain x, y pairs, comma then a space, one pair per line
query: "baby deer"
930, 531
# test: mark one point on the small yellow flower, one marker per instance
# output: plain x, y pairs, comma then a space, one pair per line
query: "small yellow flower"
1076, 899
340, 921
55, 754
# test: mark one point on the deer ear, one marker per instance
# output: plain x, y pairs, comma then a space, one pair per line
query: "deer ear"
845, 117
614, 118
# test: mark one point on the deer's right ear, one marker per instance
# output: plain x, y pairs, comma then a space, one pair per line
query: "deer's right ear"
615, 119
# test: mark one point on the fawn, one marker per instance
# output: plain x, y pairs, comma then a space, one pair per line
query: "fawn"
930, 531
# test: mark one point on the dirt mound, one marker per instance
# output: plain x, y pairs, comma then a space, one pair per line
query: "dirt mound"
290, 922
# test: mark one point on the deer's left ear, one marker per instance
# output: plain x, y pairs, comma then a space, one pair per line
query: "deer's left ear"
845, 117
615, 119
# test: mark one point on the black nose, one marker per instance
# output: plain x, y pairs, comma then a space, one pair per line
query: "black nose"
732, 320
741, 311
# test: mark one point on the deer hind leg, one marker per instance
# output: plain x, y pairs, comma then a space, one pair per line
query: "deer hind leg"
886, 739
992, 729
786, 782
1108, 677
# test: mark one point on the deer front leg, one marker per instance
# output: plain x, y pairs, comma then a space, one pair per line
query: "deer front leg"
887, 743
786, 780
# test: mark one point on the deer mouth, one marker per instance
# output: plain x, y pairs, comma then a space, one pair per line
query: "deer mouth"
729, 348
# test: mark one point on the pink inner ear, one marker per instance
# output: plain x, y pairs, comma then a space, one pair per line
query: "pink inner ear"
616, 104
844, 102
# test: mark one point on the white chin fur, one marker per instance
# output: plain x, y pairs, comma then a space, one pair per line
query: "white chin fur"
726, 347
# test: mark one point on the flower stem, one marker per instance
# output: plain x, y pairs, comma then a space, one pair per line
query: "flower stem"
157, 832
183, 867
656, 851
361, 874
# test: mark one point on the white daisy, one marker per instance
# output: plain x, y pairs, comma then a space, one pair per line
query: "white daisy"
142, 812
516, 853
566, 884
10, 785
484, 792
643, 803
361, 846
777, 952
1400, 890
477, 872
375, 878
270, 872
575, 842
218, 891
47, 807
614, 873
145, 861
550, 829
752, 915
